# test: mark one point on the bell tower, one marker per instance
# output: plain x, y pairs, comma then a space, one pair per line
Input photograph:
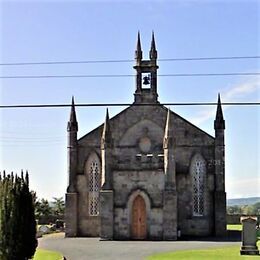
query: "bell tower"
146, 74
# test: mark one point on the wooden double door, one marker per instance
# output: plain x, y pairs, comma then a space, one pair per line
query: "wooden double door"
139, 219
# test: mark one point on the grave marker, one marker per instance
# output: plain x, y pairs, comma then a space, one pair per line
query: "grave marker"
249, 238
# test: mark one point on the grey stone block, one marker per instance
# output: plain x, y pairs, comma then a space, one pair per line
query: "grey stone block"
106, 214
71, 215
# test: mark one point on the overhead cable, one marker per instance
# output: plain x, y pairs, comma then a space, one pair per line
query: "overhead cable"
126, 60
128, 104
131, 75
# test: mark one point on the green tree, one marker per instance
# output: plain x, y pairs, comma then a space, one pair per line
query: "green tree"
256, 208
234, 209
58, 207
42, 209
230, 210
17, 220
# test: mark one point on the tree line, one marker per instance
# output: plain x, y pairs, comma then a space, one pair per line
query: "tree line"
46, 212
253, 209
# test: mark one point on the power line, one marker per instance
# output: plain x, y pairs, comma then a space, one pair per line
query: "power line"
128, 104
129, 75
65, 76
33, 139
63, 62
31, 144
126, 60
212, 58
30, 141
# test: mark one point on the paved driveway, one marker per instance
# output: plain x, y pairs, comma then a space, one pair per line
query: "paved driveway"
94, 249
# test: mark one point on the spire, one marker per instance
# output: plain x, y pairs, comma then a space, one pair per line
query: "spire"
169, 155
106, 135
219, 122
72, 124
167, 131
153, 51
72, 111
138, 52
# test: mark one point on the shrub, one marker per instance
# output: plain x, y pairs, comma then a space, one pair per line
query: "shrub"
17, 220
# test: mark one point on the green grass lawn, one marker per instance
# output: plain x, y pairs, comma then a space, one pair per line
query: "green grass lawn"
237, 227
230, 253
42, 254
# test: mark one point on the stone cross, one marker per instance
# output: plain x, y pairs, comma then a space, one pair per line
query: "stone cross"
249, 238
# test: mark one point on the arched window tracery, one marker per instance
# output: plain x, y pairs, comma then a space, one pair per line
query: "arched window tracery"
94, 175
198, 174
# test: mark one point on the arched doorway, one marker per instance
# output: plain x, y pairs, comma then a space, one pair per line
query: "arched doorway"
139, 219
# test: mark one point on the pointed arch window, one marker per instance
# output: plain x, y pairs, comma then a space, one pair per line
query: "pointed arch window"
198, 174
94, 176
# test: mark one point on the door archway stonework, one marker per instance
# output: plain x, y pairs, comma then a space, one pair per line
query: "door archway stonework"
139, 219
139, 207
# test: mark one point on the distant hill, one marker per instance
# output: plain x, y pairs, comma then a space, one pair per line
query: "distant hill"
243, 201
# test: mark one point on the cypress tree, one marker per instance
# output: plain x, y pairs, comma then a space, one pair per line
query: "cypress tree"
29, 244
17, 221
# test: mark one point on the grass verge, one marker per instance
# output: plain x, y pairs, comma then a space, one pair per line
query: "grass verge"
237, 227
42, 254
230, 253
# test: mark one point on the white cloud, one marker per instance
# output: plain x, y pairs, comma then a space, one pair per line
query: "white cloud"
239, 188
237, 93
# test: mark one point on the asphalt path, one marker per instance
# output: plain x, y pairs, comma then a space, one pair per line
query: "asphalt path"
94, 249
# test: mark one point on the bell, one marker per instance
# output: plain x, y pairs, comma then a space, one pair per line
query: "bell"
146, 80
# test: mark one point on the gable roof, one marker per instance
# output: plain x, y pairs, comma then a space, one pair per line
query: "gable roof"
136, 105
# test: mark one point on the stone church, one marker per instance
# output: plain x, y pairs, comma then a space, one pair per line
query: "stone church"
146, 173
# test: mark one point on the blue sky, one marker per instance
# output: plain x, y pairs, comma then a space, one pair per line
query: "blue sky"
35, 31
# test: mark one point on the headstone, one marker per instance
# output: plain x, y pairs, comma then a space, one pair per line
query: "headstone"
59, 224
249, 238
44, 229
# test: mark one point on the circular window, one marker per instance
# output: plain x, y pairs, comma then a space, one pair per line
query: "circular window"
145, 144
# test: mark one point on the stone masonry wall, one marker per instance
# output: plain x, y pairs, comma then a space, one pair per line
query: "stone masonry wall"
135, 169
151, 183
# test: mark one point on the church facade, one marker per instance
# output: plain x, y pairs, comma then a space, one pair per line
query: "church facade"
146, 173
